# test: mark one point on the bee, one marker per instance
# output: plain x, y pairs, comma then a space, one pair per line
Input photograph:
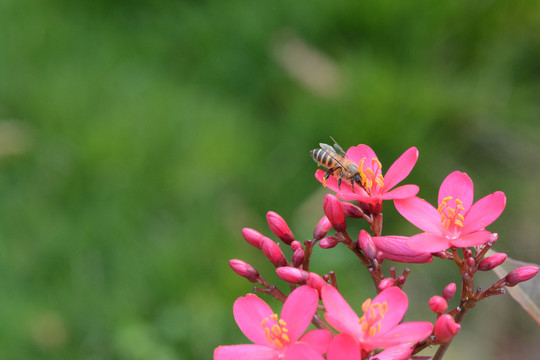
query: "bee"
335, 160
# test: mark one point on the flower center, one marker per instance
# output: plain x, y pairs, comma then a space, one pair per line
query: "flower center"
451, 217
370, 176
370, 323
275, 331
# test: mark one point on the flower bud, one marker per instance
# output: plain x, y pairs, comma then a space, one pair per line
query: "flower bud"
386, 283
467, 253
493, 238
366, 244
438, 304
292, 275
315, 281
520, 274
328, 242
295, 245
446, 328
253, 237
334, 212
272, 251
352, 210
298, 257
449, 291
470, 262
279, 227
244, 269
491, 261
322, 228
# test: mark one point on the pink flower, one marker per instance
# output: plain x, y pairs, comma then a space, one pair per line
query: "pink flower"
457, 221
345, 347
396, 248
375, 188
277, 337
380, 326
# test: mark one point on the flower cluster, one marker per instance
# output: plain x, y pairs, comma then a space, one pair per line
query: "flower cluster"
454, 230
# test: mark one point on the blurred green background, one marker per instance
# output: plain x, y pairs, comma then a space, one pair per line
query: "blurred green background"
137, 138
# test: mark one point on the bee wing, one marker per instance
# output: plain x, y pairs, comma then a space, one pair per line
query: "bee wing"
338, 148
330, 150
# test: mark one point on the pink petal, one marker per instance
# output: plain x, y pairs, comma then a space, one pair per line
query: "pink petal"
359, 152
484, 212
458, 185
428, 242
248, 312
397, 303
338, 312
343, 347
300, 351
298, 310
318, 339
235, 352
409, 332
395, 248
400, 169
473, 239
398, 352
345, 189
420, 213
402, 192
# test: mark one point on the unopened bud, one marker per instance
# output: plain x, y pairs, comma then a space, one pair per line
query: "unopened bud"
449, 291
520, 274
386, 283
470, 262
279, 227
292, 275
315, 281
295, 245
253, 237
467, 253
379, 257
438, 304
446, 328
366, 244
493, 238
492, 261
272, 251
322, 228
328, 242
298, 257
334, 212
352, 210
242, 268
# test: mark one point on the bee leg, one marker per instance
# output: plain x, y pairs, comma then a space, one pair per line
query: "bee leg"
339, 180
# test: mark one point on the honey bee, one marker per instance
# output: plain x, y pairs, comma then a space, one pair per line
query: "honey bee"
335, 160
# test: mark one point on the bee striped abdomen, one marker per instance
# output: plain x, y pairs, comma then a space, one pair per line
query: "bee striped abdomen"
323, 158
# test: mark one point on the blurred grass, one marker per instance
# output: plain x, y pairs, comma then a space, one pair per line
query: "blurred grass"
138, 138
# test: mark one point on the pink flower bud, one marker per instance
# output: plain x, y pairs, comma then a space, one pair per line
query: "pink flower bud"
292, 275
279, 227
298, 257
520, 274
491, 261
386, 283
315, 281
467, 254
244, 269
438, 304
295, 245
352, 210
253, 237
272, 251
446, 328
322, 228
328, 242
449, 291
366, 244
493, 238
470, 262
334, 212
